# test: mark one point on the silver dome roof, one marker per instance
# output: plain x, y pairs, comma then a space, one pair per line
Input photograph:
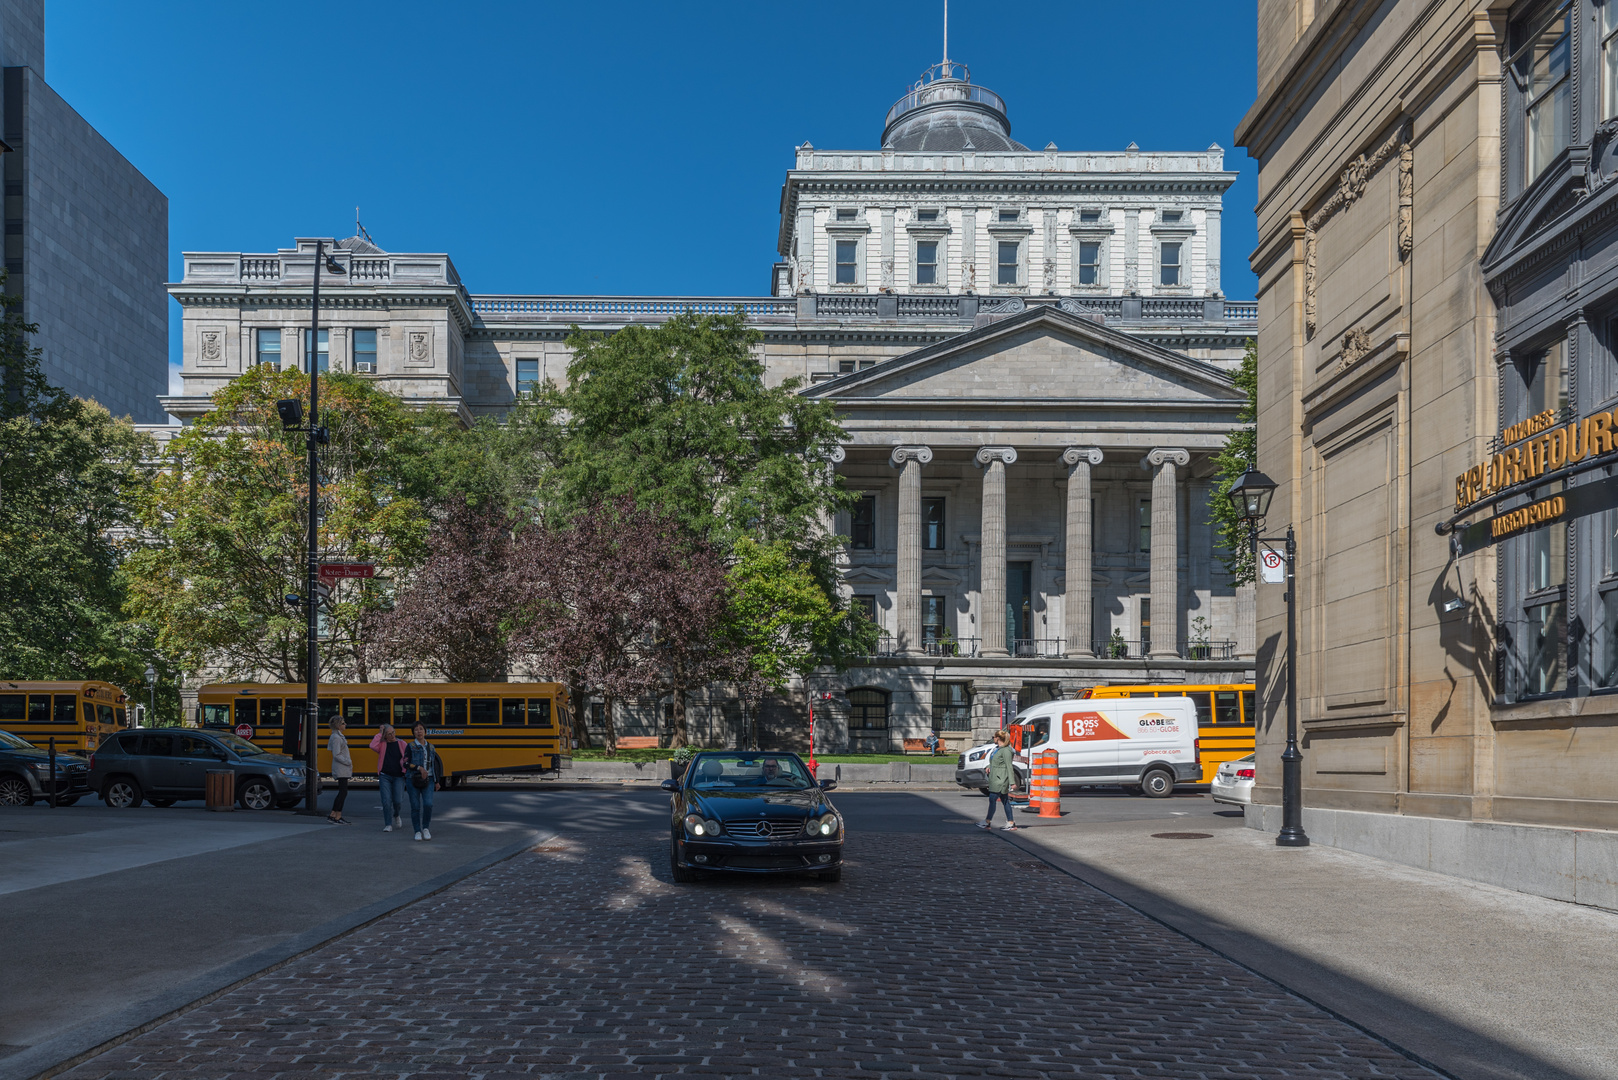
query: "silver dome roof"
945, 112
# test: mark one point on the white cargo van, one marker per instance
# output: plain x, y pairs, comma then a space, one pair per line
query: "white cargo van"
1150, 743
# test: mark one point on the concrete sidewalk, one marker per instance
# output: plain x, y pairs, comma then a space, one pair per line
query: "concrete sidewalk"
1480, 981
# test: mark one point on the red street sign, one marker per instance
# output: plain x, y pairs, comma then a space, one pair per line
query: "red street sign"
244, 730
347, 570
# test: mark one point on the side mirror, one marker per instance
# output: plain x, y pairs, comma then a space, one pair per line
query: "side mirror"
827, 785
221, 755
670, 785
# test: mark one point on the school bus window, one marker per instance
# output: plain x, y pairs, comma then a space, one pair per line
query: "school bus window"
39, 708
329, 710
539, 712
13, 706
66, 708
213, 715
485, 710
247, 711
431, 712
1227, 710
269, 713
120, 716
1249, 714
512, 711
455, 712
104, 713
381, 709
404, 713
354, 711
1205, 715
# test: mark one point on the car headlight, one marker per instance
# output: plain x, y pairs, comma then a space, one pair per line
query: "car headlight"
697, 825
292, 772
43, 767
821, 826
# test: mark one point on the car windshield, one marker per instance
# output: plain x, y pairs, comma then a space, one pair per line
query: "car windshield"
14, 742
718, 772
242, 747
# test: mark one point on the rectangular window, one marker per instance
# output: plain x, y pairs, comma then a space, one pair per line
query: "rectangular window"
1607, 31
847, 262
365, 351
527, 375
1172, 217
455, 712
323, 351
39, 708
862, 524
1145, 625
1008, 262
1547, 382
404, 713
354, 712
64, 708
926, 262
271, 712
1227, 710
431, 712
380, 710
1009, 215
1543, 63
1089, 216
846, 214
1144, 517
1249, 709
932, 524
539, 712
1168, 265
13, 707
932, 619
926, 215
867, 710
1089, 262
1547, 556
863, 605
485, 710
513, 712
1546, 669
952, 707
269, 348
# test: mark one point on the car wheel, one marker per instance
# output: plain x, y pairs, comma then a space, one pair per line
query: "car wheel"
14, 791
831, 875
682, 875
1157, 784
122, 793
161, 802
256, 794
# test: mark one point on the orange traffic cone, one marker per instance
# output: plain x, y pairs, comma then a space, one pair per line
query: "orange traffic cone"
1050, 804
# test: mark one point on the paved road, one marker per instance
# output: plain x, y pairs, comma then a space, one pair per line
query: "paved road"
580, 958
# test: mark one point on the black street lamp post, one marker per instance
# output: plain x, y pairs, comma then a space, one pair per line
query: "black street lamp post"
290, 412
151, 696
1251, 494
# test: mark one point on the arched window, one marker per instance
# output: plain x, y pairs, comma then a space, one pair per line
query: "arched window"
867, 710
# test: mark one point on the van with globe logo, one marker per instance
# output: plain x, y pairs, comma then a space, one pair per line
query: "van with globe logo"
1147, 744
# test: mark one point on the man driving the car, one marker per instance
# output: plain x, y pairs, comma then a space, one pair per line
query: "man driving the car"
772, 771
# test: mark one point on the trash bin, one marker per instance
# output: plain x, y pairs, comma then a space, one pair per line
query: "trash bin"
221, 789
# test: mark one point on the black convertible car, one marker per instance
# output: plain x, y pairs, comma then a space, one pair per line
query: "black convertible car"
753, 813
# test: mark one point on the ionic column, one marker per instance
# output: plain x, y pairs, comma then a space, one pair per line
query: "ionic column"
1077, 618
992, 571
907, 574
1165, 551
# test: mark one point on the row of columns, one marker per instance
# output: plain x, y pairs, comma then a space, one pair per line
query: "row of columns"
1077, 610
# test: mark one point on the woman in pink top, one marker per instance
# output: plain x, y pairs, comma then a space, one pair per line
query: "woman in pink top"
390, 775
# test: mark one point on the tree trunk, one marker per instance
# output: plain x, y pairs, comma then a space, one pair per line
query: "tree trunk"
612, 732
580, 696
681, 735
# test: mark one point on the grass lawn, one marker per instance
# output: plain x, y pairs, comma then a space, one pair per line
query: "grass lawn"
597, 754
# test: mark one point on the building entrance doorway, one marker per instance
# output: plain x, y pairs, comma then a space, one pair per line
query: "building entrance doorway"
1020, 608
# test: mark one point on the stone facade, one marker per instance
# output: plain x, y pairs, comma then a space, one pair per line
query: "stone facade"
1391, 149
86, 237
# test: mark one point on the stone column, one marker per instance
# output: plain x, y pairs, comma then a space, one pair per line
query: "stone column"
907, 574
992, 622
1077, 618
1210, 258
1165, 551
806, 249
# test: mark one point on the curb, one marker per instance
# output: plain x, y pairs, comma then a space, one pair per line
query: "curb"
79, 1044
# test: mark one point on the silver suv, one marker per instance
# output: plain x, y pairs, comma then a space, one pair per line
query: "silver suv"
164, 765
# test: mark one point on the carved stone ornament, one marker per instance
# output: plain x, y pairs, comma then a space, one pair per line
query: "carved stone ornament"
1351, 185
1605, 133
1014, 306
1088, 455
421, 348
921, 455
989, 454
213, 346
1356, 345
1050, 275
1166, 456
838, 455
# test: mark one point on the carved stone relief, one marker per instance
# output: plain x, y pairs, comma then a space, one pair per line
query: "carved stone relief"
421, 347
1356, 344
1351, 184
212, 349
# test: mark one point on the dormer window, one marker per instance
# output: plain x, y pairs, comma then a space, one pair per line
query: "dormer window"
846, 214
1009, 215
926, 215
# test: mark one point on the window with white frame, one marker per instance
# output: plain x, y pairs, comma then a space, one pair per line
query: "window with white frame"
365, 351
269, 348
845, 213
1170, 274
848, 265
527, 375
1008, 262
926, 262
1542, 64
1090, 217
1089, 262
927, 215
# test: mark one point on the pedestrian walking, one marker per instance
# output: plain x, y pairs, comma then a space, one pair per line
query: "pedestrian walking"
422, 761
390, 775
342, 768
1000, 774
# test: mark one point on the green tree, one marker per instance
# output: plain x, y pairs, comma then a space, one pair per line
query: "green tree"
223, 524
67, 468
1240, 453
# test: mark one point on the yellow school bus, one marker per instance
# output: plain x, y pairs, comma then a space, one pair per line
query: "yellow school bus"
1224, 715
77, 714
477, 728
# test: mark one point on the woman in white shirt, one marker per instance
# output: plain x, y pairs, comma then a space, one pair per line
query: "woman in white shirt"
342, 767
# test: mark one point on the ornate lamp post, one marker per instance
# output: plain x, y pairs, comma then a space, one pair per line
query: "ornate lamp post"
1251, 494
151, 696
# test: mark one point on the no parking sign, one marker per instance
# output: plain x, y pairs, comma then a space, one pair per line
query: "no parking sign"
1272, 565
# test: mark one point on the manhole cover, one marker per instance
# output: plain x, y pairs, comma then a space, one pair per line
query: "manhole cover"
1182, 836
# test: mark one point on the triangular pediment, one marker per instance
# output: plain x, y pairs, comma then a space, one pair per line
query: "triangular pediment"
1043, 355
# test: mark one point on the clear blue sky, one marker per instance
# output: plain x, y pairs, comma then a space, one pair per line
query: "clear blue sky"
602, 147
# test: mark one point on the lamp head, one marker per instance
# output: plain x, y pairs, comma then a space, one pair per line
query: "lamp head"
151, 675
1250, 495
333, 266
291, 411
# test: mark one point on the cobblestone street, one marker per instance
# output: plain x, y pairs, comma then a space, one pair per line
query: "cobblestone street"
581, 959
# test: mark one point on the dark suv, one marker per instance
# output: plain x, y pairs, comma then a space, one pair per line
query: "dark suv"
25, 773
164, 765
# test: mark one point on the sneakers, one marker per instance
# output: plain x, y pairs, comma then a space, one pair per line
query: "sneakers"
397, 824
426, 834
981, 824
1008, 827
418, 836
387, 828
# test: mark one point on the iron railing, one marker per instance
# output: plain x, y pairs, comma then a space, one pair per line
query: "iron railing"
951, 647
1040, 647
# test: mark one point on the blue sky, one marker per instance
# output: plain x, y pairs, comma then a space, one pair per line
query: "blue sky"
608, 147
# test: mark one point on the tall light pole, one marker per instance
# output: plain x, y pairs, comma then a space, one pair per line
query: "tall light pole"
315, 436
151, 696
1251, 494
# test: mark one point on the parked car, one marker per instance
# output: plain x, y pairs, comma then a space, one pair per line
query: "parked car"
752, 812
165, 765
25, 773
1233, 783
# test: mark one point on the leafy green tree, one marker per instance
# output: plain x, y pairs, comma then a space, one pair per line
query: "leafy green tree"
1240, 453
223, 525
67, 468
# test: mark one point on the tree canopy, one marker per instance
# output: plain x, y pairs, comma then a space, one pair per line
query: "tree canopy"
1239, 454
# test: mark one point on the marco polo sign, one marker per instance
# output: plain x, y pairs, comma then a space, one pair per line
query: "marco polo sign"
1538, 452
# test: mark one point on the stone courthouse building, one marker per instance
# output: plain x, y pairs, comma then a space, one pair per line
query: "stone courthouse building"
1031, 354
1438, 268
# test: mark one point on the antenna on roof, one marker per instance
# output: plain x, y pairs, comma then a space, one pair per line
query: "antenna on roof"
359, 230
946, 33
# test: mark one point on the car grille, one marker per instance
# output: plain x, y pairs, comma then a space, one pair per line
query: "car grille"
764, 828
765, 862
960, 762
